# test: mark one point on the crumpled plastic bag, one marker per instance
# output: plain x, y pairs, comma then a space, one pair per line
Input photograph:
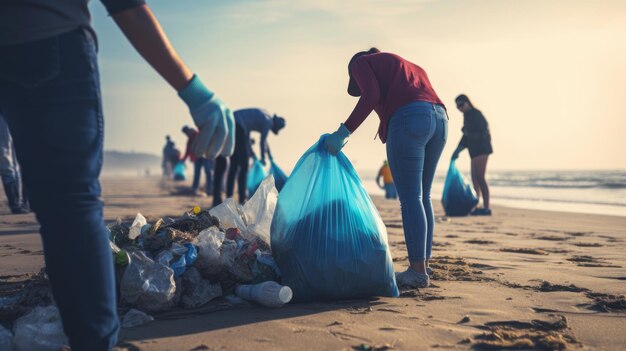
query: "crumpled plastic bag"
135, 318
327, 236
135, 228
209, 243
458, 196
197, 291
146, 284
40, 330
259, 211
230, 214
6, 339
254, 218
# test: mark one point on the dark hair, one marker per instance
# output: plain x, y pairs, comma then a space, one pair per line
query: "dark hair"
463, 98
353, 87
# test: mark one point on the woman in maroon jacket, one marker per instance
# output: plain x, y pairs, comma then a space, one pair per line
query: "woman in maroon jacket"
414, 124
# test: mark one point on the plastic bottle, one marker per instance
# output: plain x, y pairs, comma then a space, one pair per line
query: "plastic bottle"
269, 294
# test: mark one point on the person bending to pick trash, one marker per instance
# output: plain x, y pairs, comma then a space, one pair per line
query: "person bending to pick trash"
247, 120
50, 97
477, 139
414, 124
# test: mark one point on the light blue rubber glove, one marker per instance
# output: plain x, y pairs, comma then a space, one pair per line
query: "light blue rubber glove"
335, 141
214, 119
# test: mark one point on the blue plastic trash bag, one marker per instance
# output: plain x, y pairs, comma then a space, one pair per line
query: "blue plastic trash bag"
179, 266
326, 235
280, 178
180, 173
191, 255
458, 196
255, 177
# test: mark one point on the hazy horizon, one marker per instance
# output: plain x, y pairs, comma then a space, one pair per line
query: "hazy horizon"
549, 77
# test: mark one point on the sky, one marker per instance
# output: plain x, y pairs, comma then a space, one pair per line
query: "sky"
549, 76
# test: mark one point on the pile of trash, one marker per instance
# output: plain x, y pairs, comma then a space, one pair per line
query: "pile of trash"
183, 262
200, 256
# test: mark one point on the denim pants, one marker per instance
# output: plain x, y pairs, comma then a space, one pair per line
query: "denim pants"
417, 134
390, 191
50, 97
198, 165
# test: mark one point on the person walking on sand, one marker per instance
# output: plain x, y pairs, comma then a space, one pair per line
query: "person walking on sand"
247, 120
385, 174
199, 163
50, 97
414, 124
477, 139
11, 173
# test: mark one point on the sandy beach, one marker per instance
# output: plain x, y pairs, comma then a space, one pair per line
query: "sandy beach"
523, 278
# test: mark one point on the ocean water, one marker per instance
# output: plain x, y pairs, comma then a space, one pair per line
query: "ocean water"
595, 192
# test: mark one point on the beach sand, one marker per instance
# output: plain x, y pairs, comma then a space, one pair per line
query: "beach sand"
519, 278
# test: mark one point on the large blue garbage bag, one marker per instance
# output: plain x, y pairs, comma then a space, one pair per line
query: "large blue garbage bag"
280, 178
327, 236
255, 177
458, 196
179, 171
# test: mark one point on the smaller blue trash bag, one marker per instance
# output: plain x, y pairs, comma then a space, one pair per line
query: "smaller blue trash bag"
458, 196
327, 236
255, 176
280, 178
180, 172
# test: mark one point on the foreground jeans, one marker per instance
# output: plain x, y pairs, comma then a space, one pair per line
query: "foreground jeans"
417, 134
50, 97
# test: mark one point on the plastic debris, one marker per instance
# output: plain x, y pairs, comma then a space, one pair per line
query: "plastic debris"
191, 255
197, 291
179, 266
40, 330
146, 284
135, 228
269, 294
135, 318
259, 211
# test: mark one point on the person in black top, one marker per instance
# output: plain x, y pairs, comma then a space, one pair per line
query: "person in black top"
477, 139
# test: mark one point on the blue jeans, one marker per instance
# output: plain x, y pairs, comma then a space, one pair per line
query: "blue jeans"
390, 191
207, 165
417, 134
50, 97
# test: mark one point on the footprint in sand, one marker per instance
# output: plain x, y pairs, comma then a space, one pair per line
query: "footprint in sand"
607, 302
590, 261
480, 242
524, 251
536, 334
552, 238
588, 244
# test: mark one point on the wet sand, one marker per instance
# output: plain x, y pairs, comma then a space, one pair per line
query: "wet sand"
521, 279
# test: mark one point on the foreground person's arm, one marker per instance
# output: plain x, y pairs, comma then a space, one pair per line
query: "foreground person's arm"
213, 118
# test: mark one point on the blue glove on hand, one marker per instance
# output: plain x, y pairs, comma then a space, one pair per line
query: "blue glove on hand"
335, 141
214, 119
